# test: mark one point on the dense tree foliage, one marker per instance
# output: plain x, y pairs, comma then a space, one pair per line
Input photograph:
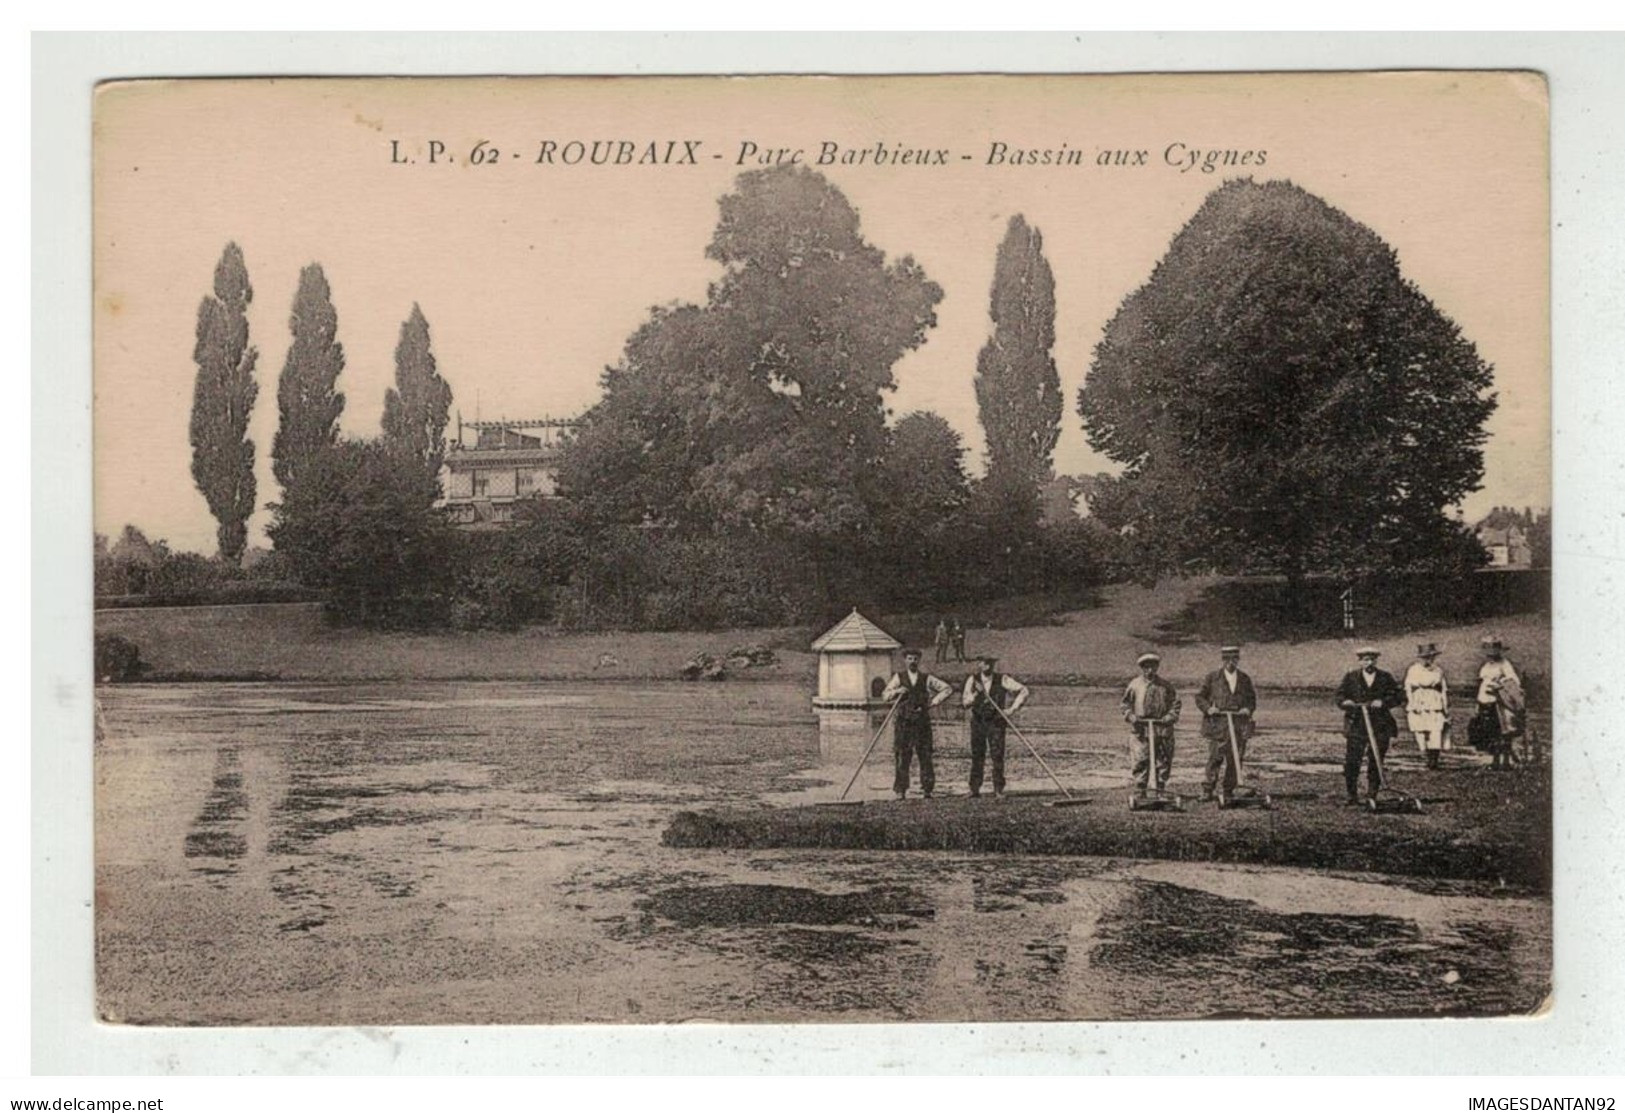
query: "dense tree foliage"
760, 416
1018, 390
308, 400
366, 531
418, 406
1283, 399
920, 541
222, 400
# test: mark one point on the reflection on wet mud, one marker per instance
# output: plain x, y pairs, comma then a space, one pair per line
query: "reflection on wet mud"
212, 837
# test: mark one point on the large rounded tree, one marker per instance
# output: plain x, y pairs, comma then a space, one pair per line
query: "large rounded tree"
761, 414
1284, 399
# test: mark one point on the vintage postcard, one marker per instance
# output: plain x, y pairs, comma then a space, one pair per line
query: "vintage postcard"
822, 549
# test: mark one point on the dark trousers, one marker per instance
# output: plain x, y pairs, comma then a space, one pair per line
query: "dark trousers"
913, 738
1220, 758
986, 738
1355, 750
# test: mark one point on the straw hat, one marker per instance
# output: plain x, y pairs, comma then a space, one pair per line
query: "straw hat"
1148, 659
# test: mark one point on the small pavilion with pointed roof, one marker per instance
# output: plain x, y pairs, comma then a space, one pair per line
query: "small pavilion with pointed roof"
852, 655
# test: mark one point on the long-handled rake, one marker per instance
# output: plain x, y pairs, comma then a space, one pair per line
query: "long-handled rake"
1034, 749
863, 760
1243, 795
1152, 798
1385, 799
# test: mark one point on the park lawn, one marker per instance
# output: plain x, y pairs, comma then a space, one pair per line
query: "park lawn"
1095, 646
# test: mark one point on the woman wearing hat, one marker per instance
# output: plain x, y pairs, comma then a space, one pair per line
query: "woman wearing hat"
1500, 701
1427, 704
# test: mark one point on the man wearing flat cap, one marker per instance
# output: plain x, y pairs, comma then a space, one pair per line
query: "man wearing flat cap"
1367, 692
1226, 696
992, 697
915, 693
1151, 708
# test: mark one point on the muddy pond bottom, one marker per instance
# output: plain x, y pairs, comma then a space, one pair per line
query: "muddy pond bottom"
490, 853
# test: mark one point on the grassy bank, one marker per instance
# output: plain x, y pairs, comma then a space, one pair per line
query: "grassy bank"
293, 642
1477, 826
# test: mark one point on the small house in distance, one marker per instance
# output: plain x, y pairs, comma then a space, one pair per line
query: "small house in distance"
491, 465
1508, 546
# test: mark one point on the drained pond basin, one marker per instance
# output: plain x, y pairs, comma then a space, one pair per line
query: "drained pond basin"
452, 852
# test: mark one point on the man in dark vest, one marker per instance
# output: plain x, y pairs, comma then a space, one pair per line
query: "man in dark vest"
1367, 692
915, 694
1225, 689
991, 697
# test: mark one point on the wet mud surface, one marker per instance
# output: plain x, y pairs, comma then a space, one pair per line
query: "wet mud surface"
467, 853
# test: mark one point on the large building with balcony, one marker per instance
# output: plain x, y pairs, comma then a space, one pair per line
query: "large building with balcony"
492, 465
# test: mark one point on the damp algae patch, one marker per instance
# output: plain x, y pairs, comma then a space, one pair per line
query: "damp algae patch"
748, 905
1483, 828
1285, 963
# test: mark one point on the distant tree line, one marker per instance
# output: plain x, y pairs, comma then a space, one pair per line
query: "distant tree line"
1279, 397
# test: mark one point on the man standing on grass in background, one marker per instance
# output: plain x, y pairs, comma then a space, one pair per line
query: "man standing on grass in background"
1225, 689
915, 693
942, 640
1367, 694
991, 697
1151, 708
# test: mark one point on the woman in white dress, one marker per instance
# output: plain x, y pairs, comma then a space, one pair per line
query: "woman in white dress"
1427, 704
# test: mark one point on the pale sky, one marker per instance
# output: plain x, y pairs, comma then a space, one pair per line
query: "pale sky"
532, 276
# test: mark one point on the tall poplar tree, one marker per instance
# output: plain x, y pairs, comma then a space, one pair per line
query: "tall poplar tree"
222, 398
1018, 391
418, 406
307, 399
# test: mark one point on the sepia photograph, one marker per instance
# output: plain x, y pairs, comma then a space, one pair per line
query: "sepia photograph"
837, 550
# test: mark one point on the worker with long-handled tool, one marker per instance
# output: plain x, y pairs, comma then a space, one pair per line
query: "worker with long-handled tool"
992, 697
1227, 701
1367, 695
1384, 797
1151, 708
915, 693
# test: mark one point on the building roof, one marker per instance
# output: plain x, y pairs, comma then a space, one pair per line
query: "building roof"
854, 634
1491, 535
463, 459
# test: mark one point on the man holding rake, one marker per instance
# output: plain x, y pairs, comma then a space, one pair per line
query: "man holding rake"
1225, 690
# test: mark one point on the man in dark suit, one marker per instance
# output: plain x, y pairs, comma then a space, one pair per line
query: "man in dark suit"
1225, 689
1367, 693
915, 692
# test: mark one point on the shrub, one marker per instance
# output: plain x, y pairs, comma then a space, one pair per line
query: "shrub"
117, 659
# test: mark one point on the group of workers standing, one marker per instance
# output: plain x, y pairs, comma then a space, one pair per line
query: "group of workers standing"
1228, 703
